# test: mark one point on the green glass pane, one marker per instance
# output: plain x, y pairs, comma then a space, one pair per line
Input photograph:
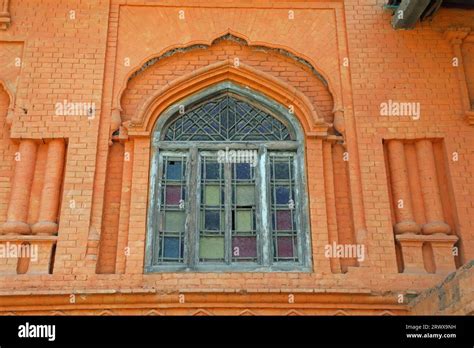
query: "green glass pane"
212, 195
243, 221
211, 248
174, 221
245, 195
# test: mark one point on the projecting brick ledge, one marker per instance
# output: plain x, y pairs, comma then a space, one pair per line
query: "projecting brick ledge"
286, 302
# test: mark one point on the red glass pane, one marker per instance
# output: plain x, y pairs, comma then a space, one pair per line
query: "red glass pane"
283, 220
244, 247
285, 246
173, 195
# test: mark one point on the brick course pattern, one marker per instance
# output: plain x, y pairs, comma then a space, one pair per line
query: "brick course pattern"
76, 183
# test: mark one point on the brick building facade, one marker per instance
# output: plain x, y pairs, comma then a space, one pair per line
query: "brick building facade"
385, 120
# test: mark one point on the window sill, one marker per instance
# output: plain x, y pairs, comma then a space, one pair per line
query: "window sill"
290, 267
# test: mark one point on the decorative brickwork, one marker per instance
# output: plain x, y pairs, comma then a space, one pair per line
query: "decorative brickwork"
386, 150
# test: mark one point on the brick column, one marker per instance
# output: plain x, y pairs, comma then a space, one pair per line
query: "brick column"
17, 214
47, 221
401, 189
430, 189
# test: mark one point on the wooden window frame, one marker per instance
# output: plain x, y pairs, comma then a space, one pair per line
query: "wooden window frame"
192, 151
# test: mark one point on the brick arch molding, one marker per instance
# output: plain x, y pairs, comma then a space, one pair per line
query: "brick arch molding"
243, 40
307, 114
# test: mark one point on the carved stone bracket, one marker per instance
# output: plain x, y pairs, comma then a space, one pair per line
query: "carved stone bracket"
338, 122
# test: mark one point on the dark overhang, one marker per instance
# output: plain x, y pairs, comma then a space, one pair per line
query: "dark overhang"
406, 13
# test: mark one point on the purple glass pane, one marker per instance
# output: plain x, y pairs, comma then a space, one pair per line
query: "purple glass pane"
285, 246
244, 247
283, 220
173, 195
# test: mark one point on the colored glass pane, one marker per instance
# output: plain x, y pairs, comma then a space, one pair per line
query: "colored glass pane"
173, 195
212, 195
242, 171
171, 248
173, 170
212, 220
245, 195
280, 170
244, 247
243, 221
211, 248
282, 195
283, 220
175, 221
285, 246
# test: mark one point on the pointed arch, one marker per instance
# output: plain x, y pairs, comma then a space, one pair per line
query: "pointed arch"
270, 109
244, 76
205, 128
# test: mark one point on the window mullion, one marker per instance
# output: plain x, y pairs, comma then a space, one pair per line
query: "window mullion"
228, 212
158, 220
262, 180
192, 204
297, 215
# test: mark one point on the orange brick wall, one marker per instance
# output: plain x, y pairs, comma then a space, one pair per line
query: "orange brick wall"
88, 51
111, 215
468, 56
7, 153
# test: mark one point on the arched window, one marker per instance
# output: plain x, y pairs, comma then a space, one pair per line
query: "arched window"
227, 187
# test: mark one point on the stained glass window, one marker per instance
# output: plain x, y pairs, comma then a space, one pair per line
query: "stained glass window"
244, 233
283, 206
172, 216
233, 204
212, 231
